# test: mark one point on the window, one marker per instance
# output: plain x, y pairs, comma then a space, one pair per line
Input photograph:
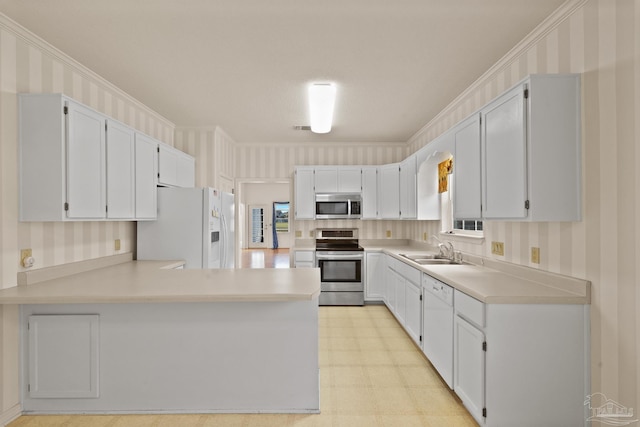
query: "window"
467, 224
281, 217
460, 226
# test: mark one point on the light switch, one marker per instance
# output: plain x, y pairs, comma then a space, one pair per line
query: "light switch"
117, 245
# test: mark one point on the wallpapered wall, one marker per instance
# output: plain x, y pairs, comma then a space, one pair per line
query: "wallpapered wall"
214, 151
28, 64
601, 40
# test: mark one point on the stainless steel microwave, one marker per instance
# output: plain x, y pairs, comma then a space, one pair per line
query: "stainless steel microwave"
338, 206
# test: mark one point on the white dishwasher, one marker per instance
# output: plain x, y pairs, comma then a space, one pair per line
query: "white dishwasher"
437, 326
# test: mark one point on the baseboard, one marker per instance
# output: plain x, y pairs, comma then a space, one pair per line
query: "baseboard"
10, 414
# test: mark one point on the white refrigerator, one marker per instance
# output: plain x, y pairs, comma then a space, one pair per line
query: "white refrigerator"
194, 224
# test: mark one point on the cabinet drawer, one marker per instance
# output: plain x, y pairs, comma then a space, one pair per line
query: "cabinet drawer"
409, 273
304, 256
469, 308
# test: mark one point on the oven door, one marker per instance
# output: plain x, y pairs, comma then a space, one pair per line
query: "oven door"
340, 272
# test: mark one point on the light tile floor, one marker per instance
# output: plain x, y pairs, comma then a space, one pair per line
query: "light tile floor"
371, 374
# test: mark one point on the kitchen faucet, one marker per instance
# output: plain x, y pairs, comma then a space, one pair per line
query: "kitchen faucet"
446, 249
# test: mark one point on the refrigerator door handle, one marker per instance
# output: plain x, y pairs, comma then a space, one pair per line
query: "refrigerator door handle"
223, 249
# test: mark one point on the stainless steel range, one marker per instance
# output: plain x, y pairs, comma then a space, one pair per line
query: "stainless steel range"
341, 262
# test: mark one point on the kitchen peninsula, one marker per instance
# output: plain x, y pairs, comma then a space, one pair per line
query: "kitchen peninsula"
141, 336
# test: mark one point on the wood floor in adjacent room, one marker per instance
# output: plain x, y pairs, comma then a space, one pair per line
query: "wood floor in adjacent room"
371, 374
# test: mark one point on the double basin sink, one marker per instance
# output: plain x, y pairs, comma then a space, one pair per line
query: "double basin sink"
428, 259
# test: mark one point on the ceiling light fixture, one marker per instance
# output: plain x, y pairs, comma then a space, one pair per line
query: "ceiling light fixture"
322, 97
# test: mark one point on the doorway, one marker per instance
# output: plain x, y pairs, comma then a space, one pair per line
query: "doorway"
255, 213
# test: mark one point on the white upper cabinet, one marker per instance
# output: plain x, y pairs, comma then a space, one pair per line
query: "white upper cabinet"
146, 200
531, 157
86, 174
369, 192
408, 201
388, 191
349, 179
76, 164
120, 171
338, 179
466, 169
175, 168
326, 179
62, 165
305, 197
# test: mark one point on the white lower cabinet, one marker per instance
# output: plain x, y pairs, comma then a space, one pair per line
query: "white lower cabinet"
304, 259
521, 364
413, 311
374, 287
469, 366
63, 356
401, 305
404, 296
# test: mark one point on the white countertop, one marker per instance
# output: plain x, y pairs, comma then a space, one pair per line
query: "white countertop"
152, 281
498, 282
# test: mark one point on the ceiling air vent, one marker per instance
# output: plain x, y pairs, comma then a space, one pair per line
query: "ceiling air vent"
302, 127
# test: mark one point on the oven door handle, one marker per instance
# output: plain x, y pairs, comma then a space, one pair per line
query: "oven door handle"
343, 257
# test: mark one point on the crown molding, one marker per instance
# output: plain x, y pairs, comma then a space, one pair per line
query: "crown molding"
37, 42
550, 23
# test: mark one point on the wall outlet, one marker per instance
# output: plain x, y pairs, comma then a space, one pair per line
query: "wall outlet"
298, 234
24, 254
311, 234
388, 233
117, 244
497, 248
535, 255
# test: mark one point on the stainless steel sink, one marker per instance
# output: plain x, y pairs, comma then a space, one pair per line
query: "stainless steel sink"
414, 257
428, 259
434, 261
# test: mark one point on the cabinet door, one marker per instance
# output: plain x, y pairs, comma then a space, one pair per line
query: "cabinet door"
389, 191
305, 194
326, 179
186, 173
469, 366
413, 310
86, 175
120, 171
146, 175
369, 192
408, 200
167, 165
504, 160
63, 356
391, 279
349, 179
466, 170
401, 308
374, 287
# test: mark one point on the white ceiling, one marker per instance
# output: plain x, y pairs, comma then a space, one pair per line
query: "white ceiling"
244, 65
